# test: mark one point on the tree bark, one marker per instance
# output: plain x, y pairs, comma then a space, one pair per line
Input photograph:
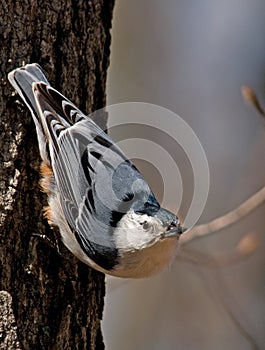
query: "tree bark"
57, 300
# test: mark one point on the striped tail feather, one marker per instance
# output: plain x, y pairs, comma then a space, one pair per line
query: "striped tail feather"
45, 104
22, 80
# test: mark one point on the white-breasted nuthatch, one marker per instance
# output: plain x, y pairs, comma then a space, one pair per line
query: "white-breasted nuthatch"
106, 213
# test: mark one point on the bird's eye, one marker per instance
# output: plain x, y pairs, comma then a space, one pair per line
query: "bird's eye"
145, 225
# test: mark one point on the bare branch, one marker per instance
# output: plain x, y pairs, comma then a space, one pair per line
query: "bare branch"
251, 98
226, 220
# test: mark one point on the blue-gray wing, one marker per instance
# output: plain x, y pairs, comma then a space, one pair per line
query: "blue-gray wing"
96, 181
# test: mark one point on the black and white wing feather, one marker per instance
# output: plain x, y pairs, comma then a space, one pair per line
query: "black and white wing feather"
96, 182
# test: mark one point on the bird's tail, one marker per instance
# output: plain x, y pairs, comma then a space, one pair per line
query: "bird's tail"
22, 80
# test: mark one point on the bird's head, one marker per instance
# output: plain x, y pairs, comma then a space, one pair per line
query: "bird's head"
147, 240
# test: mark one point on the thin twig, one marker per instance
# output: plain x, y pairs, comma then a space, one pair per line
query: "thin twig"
224, 221
250, 97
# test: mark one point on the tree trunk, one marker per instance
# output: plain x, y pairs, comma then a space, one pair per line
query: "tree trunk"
57, 300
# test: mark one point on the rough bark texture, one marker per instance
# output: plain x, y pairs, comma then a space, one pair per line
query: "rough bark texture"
8, 329
57, 301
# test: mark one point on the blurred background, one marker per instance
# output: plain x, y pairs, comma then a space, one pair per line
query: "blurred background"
192, 57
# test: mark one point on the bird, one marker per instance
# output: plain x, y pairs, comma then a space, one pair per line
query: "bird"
105, 211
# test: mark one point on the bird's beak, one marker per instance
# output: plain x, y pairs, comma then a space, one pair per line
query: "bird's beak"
173, 231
